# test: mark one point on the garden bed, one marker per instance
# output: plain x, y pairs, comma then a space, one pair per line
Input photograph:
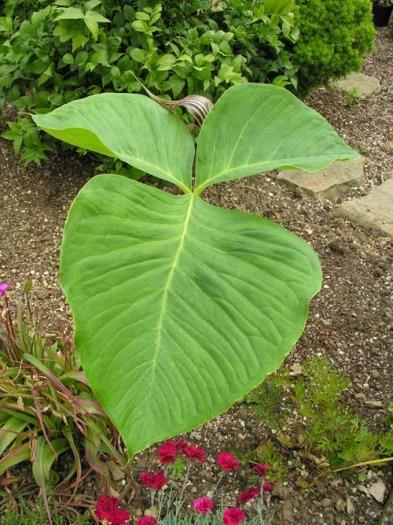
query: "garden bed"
351, 320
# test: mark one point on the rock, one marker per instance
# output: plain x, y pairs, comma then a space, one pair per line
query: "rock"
287, 511
387, 514
375, 210
326, 183
281, 492
377, 491
326, 502
296, 369
373, 403
358, 84
350, 506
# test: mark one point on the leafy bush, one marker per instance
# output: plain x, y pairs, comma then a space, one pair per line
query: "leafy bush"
46, 406
334, 35
55, 52
181, 305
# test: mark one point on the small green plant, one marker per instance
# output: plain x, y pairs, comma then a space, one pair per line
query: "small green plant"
47, 408
353, 96
270, 454
182, 307
328, 429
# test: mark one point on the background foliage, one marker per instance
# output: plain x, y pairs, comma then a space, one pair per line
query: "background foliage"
55, 52
334, 36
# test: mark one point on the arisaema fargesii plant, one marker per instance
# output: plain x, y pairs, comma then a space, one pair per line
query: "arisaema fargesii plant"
182, 307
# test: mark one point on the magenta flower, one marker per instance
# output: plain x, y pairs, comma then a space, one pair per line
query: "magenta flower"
147, 520
233, 516
107, 508
268, 487
195, 453
260, 469
167, 452
180, 445
4, 287
153, 480
203, 505
227, 461
249, 494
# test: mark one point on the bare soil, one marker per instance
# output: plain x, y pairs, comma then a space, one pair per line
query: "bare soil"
351, 320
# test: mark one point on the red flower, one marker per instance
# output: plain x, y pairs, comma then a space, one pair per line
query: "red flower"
268, 487
167, 452
260, 469
227, 461
180, 445
249, 494
194, 452
106, 508
153, 480
147, 520
203, 505
233, 516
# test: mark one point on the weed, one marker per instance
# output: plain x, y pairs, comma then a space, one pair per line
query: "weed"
353, 96
327, 427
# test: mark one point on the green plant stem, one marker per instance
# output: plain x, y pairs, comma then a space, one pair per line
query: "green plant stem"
180, 502
365, 463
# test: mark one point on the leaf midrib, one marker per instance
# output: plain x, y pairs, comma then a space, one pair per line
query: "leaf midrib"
164, 300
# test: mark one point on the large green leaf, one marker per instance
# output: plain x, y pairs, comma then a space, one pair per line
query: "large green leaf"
255, 128
180, 307
132, 128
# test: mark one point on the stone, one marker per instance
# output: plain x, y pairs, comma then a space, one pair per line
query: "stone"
358, 84
375, 210
377, 491
373, 403
287, 511
387, 514
350, 506
326, 183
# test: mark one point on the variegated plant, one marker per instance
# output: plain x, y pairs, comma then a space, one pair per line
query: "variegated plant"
182, 307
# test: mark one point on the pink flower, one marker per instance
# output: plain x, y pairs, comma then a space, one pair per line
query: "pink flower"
106, 508
249, 494
194, 452
153, 480
167, 452
227, 461
4, 287
233, 516
260, 469
147, 520
268, 487
203, 505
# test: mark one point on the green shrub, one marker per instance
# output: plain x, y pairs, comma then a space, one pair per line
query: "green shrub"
334, 35
54, 52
